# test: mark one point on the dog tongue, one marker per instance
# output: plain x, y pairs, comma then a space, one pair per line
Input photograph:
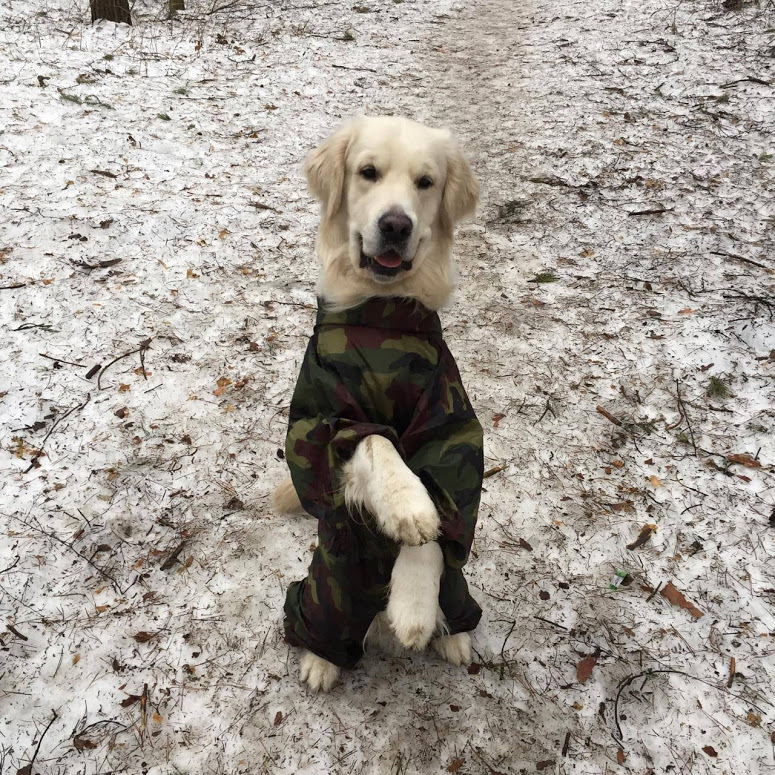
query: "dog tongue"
391, 259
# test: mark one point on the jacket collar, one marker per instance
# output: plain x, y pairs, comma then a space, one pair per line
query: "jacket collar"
390, 312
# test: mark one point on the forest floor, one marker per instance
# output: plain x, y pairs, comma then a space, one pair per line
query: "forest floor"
614, 325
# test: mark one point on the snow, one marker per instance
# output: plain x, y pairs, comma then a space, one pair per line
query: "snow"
575, 116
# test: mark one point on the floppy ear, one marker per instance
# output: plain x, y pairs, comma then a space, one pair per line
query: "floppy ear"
461, 189
324, 168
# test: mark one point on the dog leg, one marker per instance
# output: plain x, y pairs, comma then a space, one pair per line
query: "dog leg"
318, 673
377, 478
413, 606
285, 500
455, 649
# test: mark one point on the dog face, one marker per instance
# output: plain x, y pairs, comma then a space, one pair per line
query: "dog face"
391, 191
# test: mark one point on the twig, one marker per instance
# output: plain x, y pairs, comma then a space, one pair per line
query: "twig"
141, 349
653, 211
28, 767
172, 559
16, 632
39, 453
494, 470
59, 360
740, 258
749, 79
608, 415
94, 565
359, 69
12, 287
549, 621
624, 683
683, 411
11, 567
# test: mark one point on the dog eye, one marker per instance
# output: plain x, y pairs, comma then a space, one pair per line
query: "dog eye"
368, 172
424, 182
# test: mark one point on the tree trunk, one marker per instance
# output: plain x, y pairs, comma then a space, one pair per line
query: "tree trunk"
111, 10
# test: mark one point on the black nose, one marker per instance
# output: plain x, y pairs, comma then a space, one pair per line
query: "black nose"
395, 226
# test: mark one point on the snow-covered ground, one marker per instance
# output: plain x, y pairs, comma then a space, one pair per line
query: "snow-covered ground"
152, 207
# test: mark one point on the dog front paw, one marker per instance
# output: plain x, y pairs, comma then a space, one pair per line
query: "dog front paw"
409, 516
319, 674
455, 649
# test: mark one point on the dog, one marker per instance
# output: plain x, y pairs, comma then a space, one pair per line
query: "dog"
383, 445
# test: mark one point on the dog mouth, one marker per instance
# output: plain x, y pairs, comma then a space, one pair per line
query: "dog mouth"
386, 264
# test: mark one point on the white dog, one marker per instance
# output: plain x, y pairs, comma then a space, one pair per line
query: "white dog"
391, 192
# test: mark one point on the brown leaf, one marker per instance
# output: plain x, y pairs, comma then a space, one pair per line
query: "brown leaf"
544, 764
620, 756
525, 545
496, 418
584, 669
76, 658
655, 482
474, 668
456, 764
123, 388
80, 743
745, 460
454, 708
278, 718
131, 700
643, 537
710, 750
675, 596
144, 637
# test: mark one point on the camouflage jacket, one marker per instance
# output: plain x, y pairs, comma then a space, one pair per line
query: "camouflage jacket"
380, 368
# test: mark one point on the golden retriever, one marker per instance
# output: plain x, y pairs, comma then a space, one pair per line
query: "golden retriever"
391, 191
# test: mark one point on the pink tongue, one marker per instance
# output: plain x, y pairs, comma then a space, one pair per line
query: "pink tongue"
391, 259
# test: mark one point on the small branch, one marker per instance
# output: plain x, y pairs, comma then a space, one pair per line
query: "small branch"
11, 567
683, 412
653, 211
27, 769
39, 453
608, 416
172, 559
549, 621
493, 471
12, 287
59, 360
741, 258
144, 345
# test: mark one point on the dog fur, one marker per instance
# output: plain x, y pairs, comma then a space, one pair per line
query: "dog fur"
371, 167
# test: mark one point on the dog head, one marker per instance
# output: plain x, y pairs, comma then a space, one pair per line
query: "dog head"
391, 192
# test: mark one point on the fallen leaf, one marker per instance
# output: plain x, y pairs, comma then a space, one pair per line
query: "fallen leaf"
496, 418
76, 658
710, 750
81, 743
643, 537
456, 764
143, 637
655, 482
131, 700
474, 668
675, 596
754, 719
544, 764
156, 717
585, 667
745, 460
620, 756
278, 718
454, 708
122, 388
222, 233
525, 545
686, 311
